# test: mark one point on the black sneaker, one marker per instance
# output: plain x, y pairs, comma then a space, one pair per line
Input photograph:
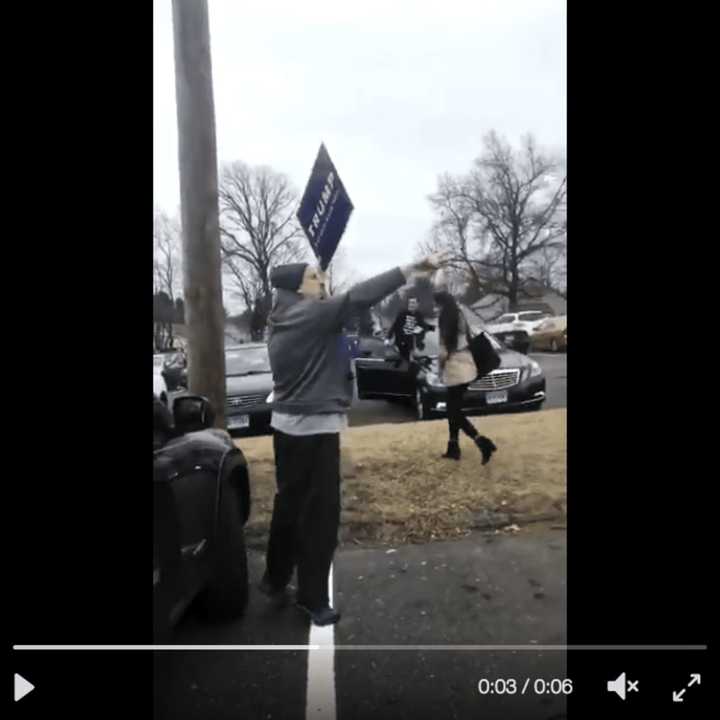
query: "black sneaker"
280, 597
321, 616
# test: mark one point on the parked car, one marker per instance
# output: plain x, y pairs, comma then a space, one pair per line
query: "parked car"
516, 329
551, 334
248, 384
201, 502
160, 389
519, 382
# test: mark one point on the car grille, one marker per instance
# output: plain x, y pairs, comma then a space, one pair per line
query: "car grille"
497, 380
245, 400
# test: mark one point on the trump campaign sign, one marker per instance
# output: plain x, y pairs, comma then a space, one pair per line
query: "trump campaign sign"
324, 209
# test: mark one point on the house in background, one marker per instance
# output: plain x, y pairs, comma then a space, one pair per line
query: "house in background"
237, 331
535, 297
179, 338
540, 297
488, 307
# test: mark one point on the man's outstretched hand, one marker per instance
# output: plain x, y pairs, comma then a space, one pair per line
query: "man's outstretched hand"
426, 266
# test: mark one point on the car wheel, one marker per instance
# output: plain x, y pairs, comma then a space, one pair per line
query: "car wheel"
422, 412
227, 592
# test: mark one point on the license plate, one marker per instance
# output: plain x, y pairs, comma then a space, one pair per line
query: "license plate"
236, 422
495, 398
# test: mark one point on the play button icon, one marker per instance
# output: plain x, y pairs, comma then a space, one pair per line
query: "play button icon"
22, 687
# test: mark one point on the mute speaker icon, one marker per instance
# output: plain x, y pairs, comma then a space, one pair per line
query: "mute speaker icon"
617, 686
620, 685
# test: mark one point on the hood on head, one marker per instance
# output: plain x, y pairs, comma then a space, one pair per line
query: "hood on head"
288, 277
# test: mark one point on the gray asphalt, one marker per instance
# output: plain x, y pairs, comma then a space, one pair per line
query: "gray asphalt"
484, 589
370, 412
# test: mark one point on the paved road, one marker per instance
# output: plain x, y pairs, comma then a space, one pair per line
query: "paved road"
369, 412
484, 589
555, 369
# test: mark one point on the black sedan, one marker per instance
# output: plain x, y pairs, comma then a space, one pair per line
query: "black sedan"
201, 502
517, 384
248, 384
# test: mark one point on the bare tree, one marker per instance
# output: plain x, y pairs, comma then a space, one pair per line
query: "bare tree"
258, 231
549, 267
340, 275
167, 276
499, 219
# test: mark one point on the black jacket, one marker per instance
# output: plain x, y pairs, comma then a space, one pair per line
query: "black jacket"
404, 326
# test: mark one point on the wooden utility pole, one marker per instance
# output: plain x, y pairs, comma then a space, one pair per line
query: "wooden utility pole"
202, 281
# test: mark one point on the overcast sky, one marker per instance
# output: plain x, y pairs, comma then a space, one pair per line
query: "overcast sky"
398, 91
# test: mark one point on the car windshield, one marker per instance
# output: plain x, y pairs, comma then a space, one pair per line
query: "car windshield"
247, 361
532, 316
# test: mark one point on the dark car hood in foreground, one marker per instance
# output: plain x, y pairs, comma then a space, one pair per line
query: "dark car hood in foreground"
249, 384
512, 359
508, 359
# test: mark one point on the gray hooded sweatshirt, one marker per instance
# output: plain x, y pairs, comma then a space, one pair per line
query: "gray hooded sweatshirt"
309, 354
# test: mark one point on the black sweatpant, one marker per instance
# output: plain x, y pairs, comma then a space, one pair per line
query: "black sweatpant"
456, 418
306, 514
405, 348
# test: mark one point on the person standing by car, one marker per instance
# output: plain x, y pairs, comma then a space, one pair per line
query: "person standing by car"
175, 370
409, 327
458, 370
313, 390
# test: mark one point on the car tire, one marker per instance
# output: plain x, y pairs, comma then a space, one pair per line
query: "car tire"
422, 411
226, 594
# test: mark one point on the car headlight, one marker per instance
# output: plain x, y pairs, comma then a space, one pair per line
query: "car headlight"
270, 397
534, 370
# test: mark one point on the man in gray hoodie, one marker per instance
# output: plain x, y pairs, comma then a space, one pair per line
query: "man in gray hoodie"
313, 389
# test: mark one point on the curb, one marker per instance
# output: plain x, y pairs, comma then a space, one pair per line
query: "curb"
256, 538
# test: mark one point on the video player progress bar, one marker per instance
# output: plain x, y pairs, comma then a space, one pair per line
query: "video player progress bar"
424, 648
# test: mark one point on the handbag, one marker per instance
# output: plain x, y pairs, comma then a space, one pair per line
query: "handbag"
484, 355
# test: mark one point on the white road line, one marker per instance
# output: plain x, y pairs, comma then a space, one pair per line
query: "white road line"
320, 696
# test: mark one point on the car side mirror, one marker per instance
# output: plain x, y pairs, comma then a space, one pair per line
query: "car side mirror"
192, 413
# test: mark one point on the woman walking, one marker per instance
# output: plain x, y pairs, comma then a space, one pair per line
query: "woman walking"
457, 371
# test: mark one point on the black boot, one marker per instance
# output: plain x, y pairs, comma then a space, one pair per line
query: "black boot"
487, 447
453, 450
279, 597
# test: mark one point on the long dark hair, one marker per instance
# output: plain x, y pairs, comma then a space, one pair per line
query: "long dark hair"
449, 320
